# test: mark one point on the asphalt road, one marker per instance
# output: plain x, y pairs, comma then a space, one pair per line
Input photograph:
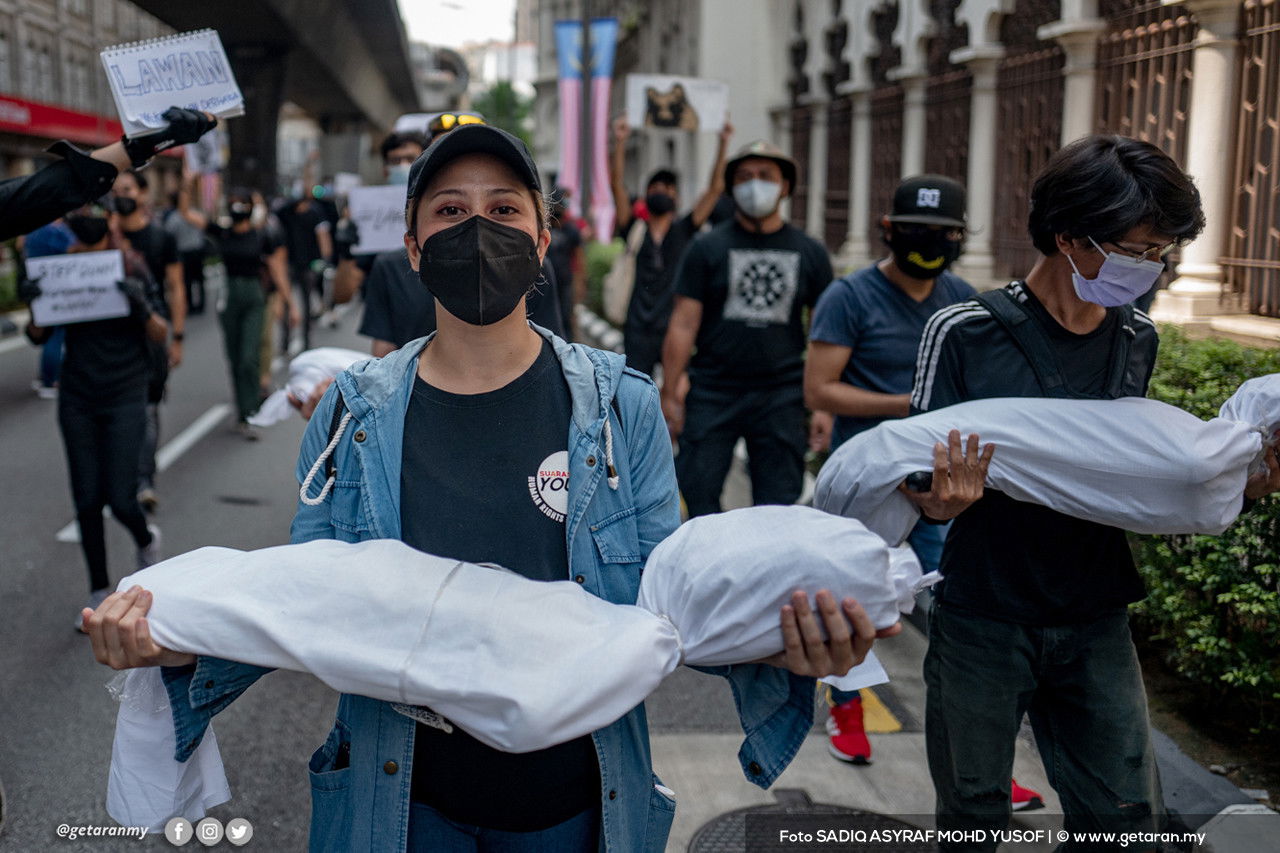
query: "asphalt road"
56, 717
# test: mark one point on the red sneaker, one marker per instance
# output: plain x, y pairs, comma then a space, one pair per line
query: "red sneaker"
848, 739
1024, 799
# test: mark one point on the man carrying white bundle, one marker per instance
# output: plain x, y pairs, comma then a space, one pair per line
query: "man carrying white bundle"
1031, 615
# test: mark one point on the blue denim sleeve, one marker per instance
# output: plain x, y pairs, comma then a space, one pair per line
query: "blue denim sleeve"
775, 708
653, 473
199, 691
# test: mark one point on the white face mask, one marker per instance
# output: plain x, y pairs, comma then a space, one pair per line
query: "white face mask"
398, 175
1121, 279
757, 198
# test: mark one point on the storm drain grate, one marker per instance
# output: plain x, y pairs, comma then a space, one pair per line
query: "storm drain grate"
727, 833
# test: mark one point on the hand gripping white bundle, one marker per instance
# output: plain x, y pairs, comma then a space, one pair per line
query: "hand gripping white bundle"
306, 371
1133, 463
519, 664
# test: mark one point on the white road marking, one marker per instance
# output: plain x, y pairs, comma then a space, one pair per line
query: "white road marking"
167, 455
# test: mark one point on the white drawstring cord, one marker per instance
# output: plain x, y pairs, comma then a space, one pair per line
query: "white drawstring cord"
608, 454
315, 469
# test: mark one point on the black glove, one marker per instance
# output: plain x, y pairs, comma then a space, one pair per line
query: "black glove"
345, 236
184, 126
29, 289
133, 290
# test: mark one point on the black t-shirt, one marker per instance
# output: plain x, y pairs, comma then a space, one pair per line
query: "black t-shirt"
1007, 559
398, 308
158, 248
656, 264
300, 227
485, 480
243, 252
108, 360
753, 288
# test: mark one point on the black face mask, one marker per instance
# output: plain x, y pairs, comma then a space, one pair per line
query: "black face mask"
925, 255
89, 230
659, 203
479, 269
124, 206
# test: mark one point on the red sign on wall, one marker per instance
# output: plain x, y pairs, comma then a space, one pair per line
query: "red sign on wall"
37, 119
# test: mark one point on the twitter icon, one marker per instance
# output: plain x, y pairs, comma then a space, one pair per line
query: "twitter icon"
239, 831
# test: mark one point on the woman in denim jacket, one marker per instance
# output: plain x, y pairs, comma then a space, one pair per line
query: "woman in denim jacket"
477, 235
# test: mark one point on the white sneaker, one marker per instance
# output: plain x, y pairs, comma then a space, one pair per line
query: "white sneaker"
150, 555
95, 601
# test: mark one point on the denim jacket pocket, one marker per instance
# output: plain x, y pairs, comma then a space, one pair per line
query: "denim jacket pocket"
330, 772
662, 811
617, 538
346, 512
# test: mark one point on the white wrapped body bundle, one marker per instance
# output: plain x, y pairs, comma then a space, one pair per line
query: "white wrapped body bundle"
520, 664
1132, 463
306, 371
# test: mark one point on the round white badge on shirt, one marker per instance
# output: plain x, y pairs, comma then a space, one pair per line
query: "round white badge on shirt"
550, 487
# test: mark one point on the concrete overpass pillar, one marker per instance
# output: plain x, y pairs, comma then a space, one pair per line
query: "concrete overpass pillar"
260, 71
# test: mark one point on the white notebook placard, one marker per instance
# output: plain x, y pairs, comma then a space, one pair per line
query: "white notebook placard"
185, 70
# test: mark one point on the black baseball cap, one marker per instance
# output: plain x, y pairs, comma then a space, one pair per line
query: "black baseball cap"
929, 200
469, 139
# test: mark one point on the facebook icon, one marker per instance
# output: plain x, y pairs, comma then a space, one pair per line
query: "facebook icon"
179, 831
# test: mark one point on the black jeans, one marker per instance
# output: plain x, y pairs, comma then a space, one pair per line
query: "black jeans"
772, 422
193, 275
1082, 687
103, 441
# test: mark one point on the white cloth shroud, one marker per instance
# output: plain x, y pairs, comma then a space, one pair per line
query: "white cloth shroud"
306, 371
519, 664
145, 786
1132, 463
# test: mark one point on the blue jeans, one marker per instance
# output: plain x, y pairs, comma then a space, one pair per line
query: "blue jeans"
432, 832
1082, 688
51, 357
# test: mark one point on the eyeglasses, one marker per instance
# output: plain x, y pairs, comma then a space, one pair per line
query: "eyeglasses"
1152, 254
448, 121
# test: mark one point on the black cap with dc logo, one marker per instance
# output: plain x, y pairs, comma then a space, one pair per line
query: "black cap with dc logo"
929, 200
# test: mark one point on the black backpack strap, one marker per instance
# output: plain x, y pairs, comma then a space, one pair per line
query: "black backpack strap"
1020, 325
1120, 350
339, 407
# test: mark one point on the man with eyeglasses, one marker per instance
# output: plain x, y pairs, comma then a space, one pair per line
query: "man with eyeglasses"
1031, 615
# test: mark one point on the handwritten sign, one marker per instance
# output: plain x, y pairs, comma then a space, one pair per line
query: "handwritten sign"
77, 288
664, 102
378, 213
186, 70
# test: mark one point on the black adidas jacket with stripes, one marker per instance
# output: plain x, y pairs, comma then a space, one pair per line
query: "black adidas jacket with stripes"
1006, 559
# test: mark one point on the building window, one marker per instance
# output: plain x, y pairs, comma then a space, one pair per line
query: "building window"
4, 62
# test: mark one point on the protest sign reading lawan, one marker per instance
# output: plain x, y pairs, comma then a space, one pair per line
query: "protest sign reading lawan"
77, 288
378, 213
186, 70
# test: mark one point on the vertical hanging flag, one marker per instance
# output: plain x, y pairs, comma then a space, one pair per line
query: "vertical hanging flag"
604, 41
574, 74
569, 60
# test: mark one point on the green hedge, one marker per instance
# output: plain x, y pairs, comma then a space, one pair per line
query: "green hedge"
1213, 606
599, 259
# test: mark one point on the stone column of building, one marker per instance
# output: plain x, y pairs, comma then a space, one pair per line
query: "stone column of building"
1195, 294
259, 69
816, 215
913, 121
856, 251
978, 262
1077, 32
